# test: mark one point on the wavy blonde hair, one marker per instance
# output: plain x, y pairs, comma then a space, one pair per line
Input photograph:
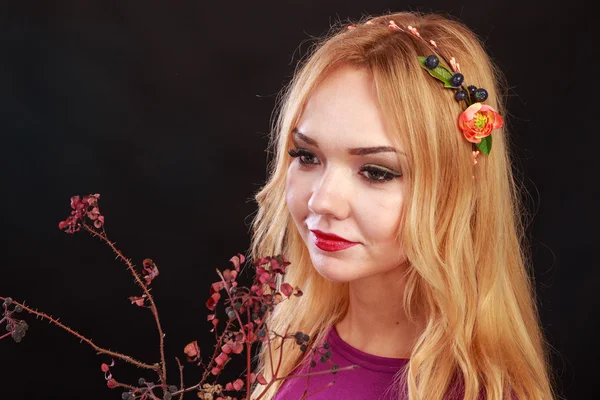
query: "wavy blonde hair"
463, 237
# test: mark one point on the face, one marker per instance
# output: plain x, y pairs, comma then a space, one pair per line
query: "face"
355, 194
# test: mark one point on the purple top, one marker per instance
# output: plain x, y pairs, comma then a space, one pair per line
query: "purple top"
369, 382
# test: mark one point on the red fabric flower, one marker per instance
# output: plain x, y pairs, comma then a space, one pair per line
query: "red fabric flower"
478, 121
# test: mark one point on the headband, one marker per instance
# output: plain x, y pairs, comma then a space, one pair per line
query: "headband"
477, 120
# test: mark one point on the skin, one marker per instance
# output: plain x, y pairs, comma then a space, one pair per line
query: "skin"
332, 194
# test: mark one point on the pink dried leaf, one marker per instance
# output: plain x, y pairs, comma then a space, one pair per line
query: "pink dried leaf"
287, 289
229, 275
215, 322
264, 277
226, 348
221, 359
150, 270
216, 287
211, 303
238, 384
192, 351
138, 300
278, 298
232, 346
93, 214
99, 222
256, 289
237, 260
261, 379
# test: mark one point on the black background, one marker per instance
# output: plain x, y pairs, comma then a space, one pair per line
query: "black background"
164, 109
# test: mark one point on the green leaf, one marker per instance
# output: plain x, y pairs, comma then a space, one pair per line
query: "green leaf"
485, 145
438, 72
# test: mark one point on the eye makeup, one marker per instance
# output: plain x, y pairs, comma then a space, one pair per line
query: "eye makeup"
370, 173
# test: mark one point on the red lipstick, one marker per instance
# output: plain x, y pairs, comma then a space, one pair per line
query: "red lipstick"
330, 242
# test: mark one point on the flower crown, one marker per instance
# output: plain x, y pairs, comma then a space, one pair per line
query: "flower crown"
478, 120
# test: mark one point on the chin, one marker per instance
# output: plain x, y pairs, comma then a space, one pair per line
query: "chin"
332, 269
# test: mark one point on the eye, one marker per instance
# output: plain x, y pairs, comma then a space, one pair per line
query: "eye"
378, 175
302, 155
371, 173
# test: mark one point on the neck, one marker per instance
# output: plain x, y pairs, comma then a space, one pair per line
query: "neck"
376, 322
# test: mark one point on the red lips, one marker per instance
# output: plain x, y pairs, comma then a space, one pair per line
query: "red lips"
330, 242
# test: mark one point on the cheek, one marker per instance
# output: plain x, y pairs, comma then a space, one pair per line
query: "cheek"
380, 219
294, 194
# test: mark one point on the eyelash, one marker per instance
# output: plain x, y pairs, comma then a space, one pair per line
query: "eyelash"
387, 175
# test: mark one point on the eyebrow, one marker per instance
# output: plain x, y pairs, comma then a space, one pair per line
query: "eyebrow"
356, 151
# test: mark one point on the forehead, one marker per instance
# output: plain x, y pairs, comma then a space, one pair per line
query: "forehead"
343, 110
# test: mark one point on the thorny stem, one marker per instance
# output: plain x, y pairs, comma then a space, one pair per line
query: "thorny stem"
217, 347
318, 390
208, 368
275, 378
350, 367
161, 368
278, 364
248, 352
98, 349
248, 344
180, 377
163, 364
231, 300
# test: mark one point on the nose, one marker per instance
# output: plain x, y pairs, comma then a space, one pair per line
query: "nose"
331, 194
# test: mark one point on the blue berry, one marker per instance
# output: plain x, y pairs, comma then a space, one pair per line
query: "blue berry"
432, 61
16, 336
472, 89
460, 95
481, 94
457, 79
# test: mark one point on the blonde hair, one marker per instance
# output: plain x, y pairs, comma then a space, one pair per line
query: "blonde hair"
463, 237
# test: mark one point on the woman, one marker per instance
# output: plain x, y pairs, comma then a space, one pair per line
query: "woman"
426, 285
